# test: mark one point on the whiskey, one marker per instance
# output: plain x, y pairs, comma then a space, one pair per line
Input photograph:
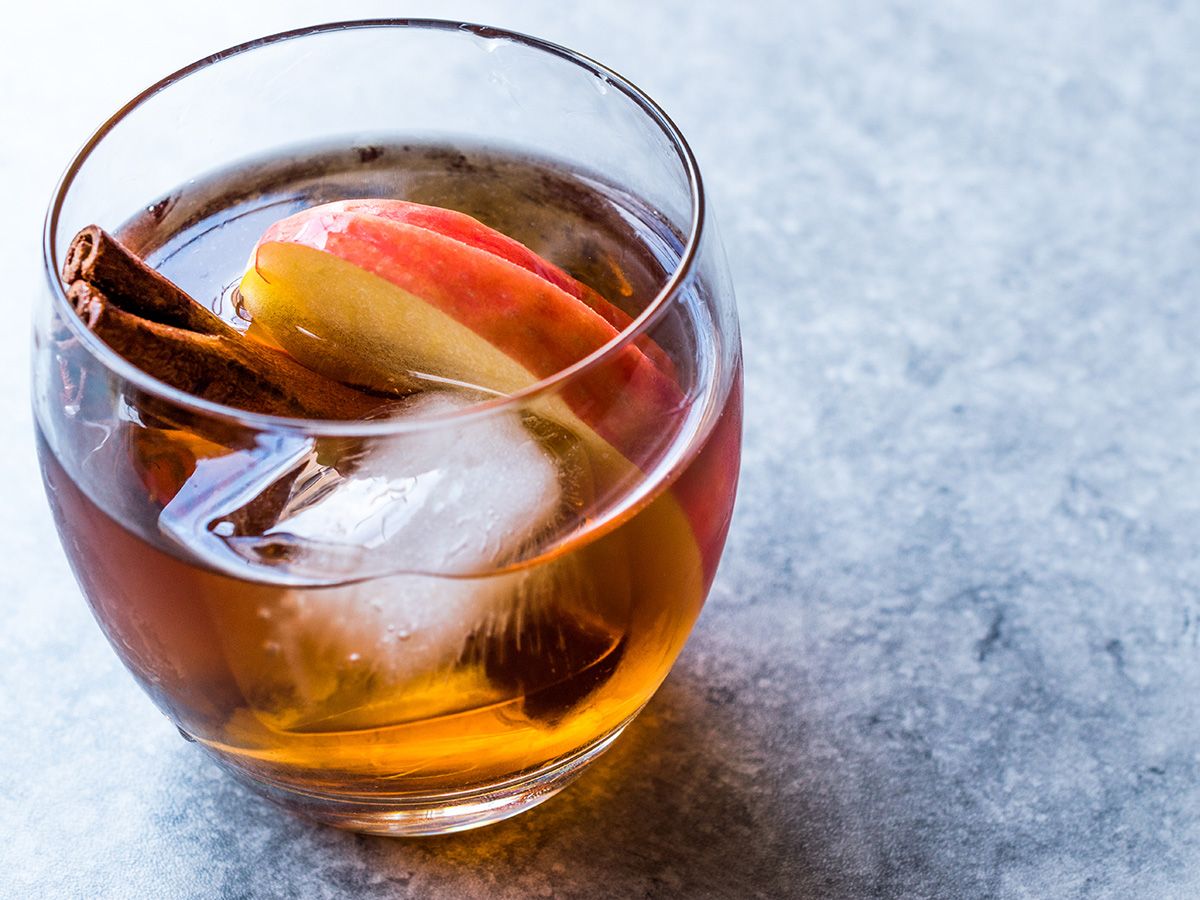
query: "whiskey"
395, 673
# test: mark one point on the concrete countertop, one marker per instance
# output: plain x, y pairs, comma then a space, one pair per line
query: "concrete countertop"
954, 646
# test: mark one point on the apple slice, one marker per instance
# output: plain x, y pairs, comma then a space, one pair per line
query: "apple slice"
368, 291
371, 291
471, 231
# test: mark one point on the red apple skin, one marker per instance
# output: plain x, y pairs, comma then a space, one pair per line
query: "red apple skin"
470, 231
627, 399
711, 482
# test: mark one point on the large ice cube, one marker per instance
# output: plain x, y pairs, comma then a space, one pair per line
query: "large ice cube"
353, 644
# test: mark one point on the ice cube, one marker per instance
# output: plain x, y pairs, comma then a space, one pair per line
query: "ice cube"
392, 554
445, 500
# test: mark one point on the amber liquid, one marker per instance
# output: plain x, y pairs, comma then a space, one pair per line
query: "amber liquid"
351, 688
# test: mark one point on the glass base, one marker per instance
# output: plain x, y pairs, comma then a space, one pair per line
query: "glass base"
430, 814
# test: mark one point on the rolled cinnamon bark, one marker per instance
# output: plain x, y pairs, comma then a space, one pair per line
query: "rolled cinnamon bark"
223, 368
102, 261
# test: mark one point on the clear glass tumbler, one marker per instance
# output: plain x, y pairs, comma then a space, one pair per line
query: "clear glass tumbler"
435, 618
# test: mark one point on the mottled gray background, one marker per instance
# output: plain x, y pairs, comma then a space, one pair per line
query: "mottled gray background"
954, 648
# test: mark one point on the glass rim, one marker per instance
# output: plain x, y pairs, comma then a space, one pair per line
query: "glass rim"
654, 310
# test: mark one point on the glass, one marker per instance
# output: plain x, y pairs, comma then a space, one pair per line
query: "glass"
447, 613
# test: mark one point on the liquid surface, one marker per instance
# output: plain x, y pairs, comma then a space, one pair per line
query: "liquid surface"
201, 238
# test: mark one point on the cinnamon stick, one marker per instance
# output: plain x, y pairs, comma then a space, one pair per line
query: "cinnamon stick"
105, 263
224, 368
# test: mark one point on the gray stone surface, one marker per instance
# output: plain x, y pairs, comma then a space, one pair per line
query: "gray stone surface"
954, 648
